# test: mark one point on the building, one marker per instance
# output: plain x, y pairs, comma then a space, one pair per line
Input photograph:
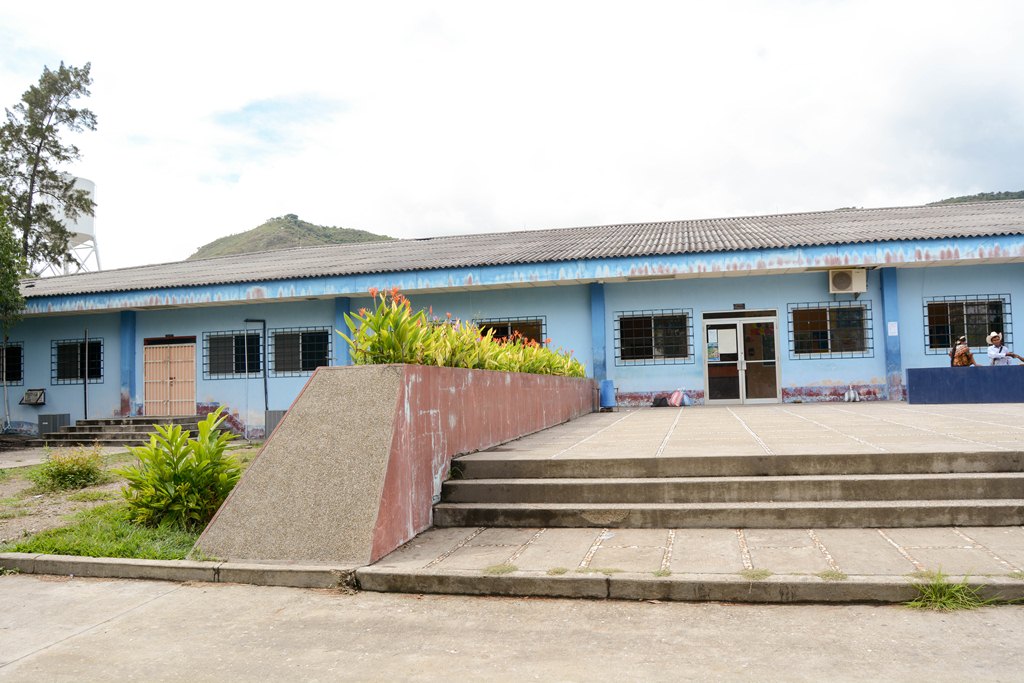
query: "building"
797, 307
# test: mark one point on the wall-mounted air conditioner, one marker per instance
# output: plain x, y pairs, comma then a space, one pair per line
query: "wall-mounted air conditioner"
847, 281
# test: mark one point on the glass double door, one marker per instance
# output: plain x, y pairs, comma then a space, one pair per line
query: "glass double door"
740, 361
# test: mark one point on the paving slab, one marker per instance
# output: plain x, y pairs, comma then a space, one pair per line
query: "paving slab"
799, 565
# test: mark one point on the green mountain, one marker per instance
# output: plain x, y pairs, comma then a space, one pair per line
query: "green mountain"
981, 197
284, 232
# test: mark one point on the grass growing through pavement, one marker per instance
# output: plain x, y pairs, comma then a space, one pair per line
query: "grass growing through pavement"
661, 573
1019, 576
499, 569
557, 571
105, 531
831, 575
937, 593
755, 574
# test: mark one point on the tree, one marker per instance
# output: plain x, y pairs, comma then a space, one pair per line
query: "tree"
32, 155
12, 268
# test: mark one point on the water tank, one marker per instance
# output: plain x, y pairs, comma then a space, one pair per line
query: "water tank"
82, 243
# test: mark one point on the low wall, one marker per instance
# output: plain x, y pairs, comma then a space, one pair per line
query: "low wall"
985, 384
353, 469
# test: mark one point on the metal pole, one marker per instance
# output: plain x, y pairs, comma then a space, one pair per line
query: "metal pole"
85, 376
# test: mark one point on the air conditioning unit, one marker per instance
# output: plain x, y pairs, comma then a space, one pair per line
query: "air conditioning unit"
847, 281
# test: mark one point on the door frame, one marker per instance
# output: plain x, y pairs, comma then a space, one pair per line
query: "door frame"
738, 320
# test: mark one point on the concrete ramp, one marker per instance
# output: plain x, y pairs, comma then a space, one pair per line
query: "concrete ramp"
352, 470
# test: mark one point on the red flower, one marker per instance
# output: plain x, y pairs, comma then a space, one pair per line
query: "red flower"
373, 292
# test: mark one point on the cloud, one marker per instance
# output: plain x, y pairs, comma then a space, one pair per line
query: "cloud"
277, 125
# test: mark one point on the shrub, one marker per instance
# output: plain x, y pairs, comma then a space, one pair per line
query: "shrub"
392, 333
70, 468
180, 482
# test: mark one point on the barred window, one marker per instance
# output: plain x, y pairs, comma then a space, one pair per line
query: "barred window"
534, 329
12, 364
231, 354
296, 351
831, 329
68, 363
947, 318
653, 337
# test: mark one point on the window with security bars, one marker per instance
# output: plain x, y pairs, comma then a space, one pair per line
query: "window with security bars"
12, 364
654, 337
234, 354
299, 351
947, 318
69, 364
534, 329
831, 329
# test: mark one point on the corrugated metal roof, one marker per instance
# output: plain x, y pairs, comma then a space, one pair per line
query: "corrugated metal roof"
847, 226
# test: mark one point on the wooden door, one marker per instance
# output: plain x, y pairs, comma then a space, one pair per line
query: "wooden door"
169, 376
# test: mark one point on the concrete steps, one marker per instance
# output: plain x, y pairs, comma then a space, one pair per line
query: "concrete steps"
751, 515
115, 432
803, 491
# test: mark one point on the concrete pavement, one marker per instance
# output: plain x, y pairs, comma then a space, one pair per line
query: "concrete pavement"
97, 629
736, 564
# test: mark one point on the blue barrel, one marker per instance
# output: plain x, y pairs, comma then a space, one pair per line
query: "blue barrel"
607, 393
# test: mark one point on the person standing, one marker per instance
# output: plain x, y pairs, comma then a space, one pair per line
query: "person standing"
999, 354
960, 355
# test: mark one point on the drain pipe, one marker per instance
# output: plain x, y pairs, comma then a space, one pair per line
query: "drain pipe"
263, 358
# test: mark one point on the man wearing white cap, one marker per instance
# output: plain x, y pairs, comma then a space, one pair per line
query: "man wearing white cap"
999, 354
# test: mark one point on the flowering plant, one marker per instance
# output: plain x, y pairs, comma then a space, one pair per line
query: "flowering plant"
393, 333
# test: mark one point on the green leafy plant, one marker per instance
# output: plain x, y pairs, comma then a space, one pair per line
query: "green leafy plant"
393, 333
70, 468
937, 593
180, 482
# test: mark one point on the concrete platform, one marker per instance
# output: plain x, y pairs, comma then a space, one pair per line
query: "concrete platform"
785, 429
743, 564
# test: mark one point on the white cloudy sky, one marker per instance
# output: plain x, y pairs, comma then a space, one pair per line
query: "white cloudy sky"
415, 119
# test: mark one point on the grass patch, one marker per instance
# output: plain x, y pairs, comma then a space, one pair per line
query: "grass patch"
17, 512
831, 575
661, 573
5, 474
70, 468
105, 531
937, 593
607, 571
9, 571
92, 496
499, 569
1018, 576
755, 574
557, 571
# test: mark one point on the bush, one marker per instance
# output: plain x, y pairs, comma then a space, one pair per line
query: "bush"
392, 333
70, 468
180, 482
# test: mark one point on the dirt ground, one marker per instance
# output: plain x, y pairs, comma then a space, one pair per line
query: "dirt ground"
25, 510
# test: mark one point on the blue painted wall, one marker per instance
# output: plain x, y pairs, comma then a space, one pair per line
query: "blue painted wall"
774, 292
569, 310
918, 284
37, 335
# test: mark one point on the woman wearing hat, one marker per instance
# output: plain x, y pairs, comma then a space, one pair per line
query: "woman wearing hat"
999, 354
960, 355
